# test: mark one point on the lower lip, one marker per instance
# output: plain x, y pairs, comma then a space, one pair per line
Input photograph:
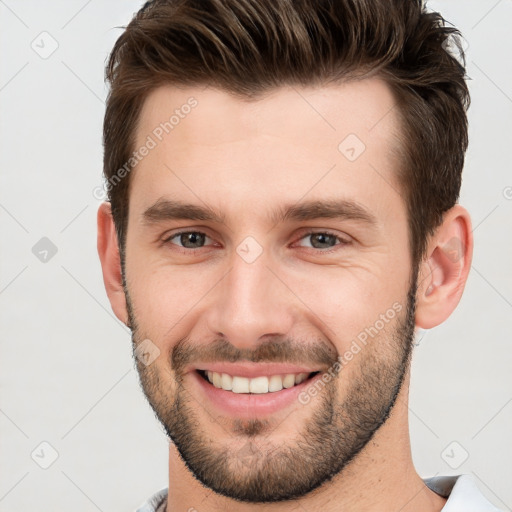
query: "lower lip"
249, 405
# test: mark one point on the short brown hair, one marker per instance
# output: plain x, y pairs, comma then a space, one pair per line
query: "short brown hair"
249, 47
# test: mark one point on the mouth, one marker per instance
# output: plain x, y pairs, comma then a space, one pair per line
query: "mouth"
247, 390
251, 398
257, 385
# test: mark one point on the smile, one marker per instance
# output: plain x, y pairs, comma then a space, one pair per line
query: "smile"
256, 385
251, 397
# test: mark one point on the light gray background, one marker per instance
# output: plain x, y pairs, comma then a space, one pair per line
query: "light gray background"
66, 374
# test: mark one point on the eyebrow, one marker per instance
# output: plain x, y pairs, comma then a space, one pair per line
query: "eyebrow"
167, 209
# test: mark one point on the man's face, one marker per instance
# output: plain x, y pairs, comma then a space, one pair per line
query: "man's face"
254, 289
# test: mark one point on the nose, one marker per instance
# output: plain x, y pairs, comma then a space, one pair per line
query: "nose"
251, 302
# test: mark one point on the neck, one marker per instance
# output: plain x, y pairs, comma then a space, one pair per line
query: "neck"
381, 477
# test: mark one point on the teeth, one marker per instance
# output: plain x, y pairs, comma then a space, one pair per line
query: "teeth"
258, 385
301, 377
217, 380
289, 381
275, 383
226, 382
240, 384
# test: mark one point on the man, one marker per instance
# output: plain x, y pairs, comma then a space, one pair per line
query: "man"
283, 181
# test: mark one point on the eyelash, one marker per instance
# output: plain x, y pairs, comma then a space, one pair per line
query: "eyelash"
184, 250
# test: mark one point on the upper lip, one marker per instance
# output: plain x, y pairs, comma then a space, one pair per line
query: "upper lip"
251, 370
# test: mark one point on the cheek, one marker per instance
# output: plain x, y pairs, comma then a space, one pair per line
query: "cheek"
344, 303
165, 297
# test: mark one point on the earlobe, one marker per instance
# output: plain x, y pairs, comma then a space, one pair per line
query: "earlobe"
108, 251
445, 268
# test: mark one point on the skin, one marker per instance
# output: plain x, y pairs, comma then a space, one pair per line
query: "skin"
244, 159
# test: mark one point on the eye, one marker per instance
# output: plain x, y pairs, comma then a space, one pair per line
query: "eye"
323, 240
188, 239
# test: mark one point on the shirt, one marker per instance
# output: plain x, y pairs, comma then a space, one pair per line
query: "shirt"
461, 490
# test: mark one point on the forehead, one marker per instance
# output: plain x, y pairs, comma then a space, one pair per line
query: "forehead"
363, 106
206, 142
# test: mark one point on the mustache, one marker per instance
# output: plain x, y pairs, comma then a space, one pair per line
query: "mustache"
277, 350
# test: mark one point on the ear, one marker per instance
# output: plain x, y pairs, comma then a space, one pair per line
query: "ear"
444, 269
108, 250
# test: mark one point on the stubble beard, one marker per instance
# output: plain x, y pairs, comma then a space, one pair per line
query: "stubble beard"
244, 464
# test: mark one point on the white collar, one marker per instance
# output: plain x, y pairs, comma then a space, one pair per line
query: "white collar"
462, 493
